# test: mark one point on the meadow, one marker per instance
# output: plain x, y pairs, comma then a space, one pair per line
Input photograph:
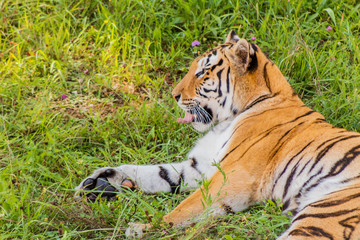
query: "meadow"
86, 84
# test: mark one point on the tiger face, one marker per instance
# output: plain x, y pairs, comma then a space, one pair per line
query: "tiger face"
219, 84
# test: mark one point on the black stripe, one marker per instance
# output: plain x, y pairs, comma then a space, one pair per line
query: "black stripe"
308, 182
194, 164
329, 140
218, 64
332, 203
284, 135
223, 103
228, 80
219, 76
327, 148
350, 223
299, 232
294, 211
164, 174
320, 120
203, 95
209, 90
225, 143
200, 73
304, 167
323, 215
304, 115
291, 159
258, 100
351, 179
289, 180
266, 77
339, 166
345, 161
285, 205
311, 232
208, 59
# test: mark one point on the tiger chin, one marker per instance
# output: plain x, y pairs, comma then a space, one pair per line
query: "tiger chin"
264, 139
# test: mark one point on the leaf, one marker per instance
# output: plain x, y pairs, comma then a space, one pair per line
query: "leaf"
312, 17
331, 14
157, 34
217, 19
321, 5
228, 237
178, 20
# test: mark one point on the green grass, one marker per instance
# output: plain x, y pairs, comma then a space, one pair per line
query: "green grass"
117, 62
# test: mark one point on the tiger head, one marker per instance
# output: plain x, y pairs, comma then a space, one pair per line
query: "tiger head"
226, 81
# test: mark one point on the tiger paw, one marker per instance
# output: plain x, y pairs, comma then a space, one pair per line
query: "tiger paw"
136, 230
104, 183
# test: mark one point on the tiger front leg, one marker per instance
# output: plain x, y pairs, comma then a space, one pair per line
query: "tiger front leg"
108, 181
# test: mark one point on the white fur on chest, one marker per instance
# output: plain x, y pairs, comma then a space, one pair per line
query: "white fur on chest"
210, 149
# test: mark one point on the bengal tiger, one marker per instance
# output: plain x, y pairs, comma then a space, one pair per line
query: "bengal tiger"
262, 137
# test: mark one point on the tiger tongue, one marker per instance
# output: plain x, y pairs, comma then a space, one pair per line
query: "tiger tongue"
188, 118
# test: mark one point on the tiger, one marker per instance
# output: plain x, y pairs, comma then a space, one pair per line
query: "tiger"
260, 142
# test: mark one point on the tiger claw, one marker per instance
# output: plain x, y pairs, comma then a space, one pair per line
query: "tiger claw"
99, 187
104, 183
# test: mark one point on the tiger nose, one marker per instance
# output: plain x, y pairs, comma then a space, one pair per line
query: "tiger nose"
177, 97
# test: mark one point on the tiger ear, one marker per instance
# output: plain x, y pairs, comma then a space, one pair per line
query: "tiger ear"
232, 37
241, 54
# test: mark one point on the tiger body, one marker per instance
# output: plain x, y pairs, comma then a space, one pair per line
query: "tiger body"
268, 145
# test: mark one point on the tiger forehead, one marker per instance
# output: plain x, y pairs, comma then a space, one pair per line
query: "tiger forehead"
205, 64
214, 51
209, 60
